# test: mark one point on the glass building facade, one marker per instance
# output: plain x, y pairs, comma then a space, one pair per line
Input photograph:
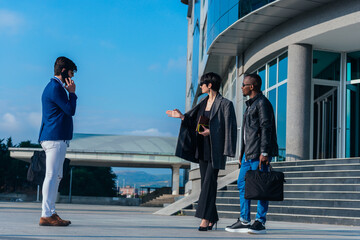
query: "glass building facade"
221, 14
334, 125
352, 109
274, 87
195, 53
331, 111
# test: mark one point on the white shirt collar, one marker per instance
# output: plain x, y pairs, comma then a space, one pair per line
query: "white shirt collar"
57, 79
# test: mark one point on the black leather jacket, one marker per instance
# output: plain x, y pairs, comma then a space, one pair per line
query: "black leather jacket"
258, 128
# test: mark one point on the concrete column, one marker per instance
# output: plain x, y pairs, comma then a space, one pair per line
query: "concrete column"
175, 179
298, 102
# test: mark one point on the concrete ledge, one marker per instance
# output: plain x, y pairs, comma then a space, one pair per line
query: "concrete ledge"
101, 200
17, 197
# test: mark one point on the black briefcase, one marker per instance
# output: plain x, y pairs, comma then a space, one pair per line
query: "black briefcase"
267, 186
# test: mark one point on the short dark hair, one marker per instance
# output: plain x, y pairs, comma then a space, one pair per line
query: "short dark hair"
212, 78
64, 62
257, 82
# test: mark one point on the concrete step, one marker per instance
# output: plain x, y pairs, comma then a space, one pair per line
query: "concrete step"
334, 173
152, 204
160, 201
322, 187
324, 180
355, 166
167, 196
311, 180
311, 186
305, 210
330, 203
231, 187
289, 218
228, 193
315, 191
304, 194
322, 194
317, 162
337, 203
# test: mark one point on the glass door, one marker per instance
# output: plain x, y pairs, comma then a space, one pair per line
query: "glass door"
326, 107
325, 120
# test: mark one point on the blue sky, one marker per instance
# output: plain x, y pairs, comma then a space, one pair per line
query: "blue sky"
131, 58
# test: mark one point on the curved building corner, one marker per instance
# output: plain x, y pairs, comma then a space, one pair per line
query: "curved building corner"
307, 53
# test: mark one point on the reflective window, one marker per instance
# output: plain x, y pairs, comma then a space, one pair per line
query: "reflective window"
325, 121
352, 148
283, 66
276, 73
203, 40
233, 91
192, 93
223, 13
281, 120
225, 88
326, 65
272, 98
353, 66
272, 72
195, 58
233, 12
247, 6
261, 73
196, 46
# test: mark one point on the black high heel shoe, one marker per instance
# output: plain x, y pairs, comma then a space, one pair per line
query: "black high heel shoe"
203, 228
212, 225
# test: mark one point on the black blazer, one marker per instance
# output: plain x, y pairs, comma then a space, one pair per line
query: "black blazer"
223, 132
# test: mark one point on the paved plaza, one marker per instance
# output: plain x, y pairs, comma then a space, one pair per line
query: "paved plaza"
19, 220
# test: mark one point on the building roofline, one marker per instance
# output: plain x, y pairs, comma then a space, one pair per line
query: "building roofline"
242, 33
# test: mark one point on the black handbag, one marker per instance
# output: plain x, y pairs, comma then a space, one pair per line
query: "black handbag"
267, 186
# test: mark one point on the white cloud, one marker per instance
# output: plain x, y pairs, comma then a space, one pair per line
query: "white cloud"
149, 132
10, 22
154, 67
20, 125
9, 122
177, 64
174, 64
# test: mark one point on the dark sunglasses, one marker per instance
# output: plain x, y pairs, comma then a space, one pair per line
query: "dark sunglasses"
248, 84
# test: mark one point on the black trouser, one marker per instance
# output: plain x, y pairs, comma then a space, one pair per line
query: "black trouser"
207, 200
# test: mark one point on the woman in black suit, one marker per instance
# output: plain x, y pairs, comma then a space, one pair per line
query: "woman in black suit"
207, 135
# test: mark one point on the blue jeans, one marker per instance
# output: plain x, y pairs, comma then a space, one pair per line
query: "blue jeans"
263, 206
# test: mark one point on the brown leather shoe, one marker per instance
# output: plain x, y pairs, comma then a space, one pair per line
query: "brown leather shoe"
59, 218
51, 221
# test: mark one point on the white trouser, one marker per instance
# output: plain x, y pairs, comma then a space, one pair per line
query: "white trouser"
55, 156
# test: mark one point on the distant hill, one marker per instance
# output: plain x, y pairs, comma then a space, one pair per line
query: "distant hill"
143, 179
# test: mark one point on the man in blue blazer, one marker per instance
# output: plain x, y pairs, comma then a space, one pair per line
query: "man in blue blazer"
58, 107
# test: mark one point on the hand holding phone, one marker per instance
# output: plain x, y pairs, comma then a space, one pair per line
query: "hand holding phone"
70, 85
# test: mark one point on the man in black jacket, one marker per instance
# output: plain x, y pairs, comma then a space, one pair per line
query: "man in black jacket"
259, 145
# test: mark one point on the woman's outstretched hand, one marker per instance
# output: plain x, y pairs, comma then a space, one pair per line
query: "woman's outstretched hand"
206, 132
175, 114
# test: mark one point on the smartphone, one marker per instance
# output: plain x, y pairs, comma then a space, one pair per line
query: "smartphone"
65, 75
